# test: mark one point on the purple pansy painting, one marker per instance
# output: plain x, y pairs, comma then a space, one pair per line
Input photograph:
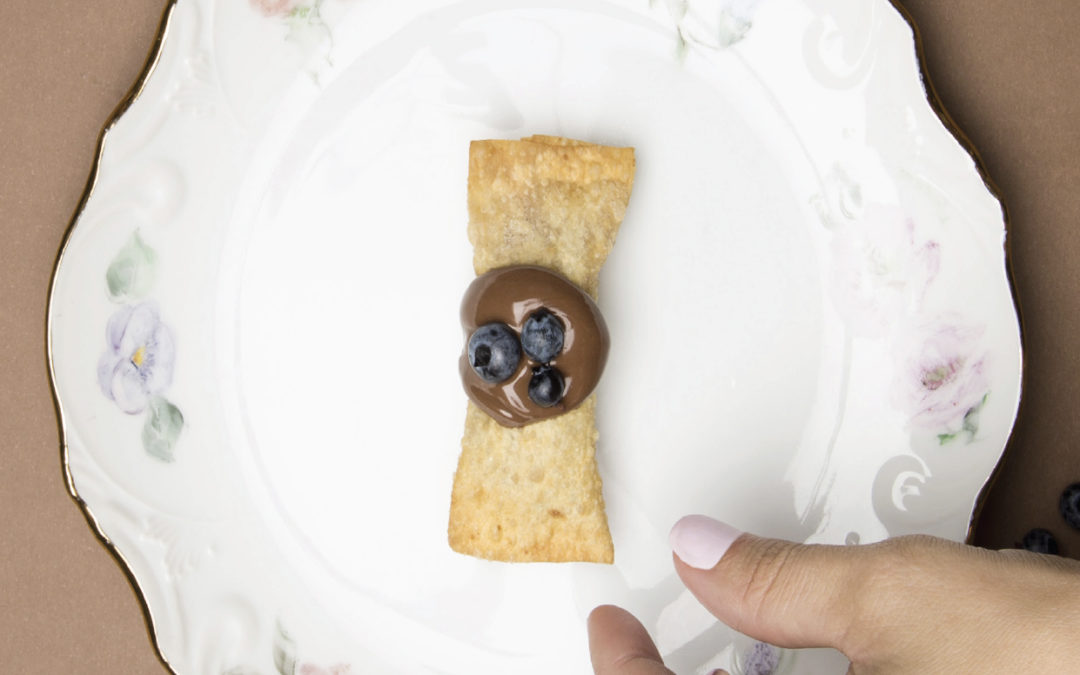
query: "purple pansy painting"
137, 365
138, 360
761, 659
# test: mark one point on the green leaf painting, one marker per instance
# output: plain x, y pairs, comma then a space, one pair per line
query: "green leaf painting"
969, 427
164, 422
131, 273
284, 652
136, 367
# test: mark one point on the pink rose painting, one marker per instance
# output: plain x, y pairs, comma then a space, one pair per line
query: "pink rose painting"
941, 380
881, 270
286, 662
336, 669
304, 25
275, 7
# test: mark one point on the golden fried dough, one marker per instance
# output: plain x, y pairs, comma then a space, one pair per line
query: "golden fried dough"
533, 493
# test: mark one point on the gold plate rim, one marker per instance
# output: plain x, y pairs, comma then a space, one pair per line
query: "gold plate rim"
133, 93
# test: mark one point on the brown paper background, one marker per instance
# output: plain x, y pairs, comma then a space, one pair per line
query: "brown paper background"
1008, 72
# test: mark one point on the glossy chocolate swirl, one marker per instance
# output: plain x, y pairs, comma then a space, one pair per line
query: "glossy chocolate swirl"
510, 295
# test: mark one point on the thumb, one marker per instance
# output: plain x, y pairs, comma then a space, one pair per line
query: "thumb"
852, 598
791, 595
899, 600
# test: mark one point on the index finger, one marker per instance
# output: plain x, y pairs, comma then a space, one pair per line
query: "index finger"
620, 645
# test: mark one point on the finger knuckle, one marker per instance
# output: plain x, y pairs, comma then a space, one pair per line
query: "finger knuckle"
765, 578
893, 573
896, 560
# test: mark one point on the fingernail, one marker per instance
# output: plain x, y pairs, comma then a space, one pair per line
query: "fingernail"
700, 541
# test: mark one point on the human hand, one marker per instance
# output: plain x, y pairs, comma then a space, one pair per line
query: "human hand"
907, 605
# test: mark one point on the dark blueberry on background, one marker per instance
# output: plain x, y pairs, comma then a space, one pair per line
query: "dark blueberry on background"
542, 336
1070, 505
546, 386
494, 352
1040, 541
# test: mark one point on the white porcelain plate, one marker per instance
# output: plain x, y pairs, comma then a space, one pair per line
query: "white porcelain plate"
254, 331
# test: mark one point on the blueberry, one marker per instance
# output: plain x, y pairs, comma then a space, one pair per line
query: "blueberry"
546, 386
494, 352
1070, 505
1040, 541
542, 336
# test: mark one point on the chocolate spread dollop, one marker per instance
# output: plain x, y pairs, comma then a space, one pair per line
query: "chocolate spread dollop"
510, 295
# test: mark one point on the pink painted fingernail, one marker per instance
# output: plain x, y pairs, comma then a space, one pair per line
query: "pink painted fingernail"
700, 541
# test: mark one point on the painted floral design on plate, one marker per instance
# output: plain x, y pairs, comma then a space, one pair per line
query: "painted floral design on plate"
882, 270
942, 382
136, 368
304, 21
287, 662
